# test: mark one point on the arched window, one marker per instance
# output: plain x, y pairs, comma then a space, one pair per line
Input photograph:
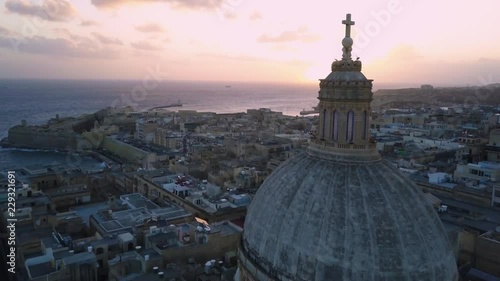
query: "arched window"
365, 124
350, 126
323, 125
335, 124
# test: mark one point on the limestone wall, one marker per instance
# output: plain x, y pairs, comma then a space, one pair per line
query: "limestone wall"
33, 137
124, 150
488, 255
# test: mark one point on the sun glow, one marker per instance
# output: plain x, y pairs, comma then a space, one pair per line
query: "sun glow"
315, 72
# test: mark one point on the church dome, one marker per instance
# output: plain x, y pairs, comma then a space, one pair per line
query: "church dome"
346, 76
338, 211
323, 219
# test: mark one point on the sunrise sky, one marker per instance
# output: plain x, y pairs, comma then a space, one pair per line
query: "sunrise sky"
399, 41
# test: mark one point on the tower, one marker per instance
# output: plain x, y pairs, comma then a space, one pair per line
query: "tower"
339, 211
344, 107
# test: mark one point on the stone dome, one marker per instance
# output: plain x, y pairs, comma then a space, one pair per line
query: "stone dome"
338, 211
346, 76
322, 219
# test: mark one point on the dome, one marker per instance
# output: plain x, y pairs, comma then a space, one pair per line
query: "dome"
323, 219
338, 211
346, 76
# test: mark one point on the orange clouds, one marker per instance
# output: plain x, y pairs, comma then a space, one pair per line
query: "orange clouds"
51, 10
194, 4
150, 27
299, 35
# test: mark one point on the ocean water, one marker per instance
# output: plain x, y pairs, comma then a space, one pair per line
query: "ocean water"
36, 101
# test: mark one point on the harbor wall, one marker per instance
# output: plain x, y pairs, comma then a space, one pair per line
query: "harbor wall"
37, 138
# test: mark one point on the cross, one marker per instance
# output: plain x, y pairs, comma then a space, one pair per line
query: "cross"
348, 24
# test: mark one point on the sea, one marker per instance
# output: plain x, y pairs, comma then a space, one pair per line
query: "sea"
37, 101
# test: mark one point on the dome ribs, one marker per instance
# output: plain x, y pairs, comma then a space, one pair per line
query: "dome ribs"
322, 219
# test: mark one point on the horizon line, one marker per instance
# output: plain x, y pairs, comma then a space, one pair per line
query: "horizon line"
400, 85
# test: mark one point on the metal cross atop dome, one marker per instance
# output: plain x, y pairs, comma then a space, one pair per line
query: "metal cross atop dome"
348, 22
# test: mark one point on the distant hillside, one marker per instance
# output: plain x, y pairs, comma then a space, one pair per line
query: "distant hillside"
489, 94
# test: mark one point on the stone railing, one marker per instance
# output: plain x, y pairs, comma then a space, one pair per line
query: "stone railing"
350, 146
359, 84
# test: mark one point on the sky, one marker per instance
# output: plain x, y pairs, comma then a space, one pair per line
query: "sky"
399, 41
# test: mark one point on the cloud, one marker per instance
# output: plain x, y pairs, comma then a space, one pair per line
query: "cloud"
88, 23
255, 16
299, 35
145, 46
4, 31
51, 10
107, 40
81, 47
230, 16
284, 48
191, 4
246, 58
150, 27
403, 53
403, 63
62, 31
229, 57
76, 39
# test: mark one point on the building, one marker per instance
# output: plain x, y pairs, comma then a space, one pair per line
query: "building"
477, 174
57, 262
488, 252
338, 211
139, 212
426, 87
493, 147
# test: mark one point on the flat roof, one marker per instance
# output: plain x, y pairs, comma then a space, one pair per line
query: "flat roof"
168, 274
51, 242
125, 219
80, 257
125, 237
488, 218
86, 210
224, 228
41, 269
152, 253
136, 200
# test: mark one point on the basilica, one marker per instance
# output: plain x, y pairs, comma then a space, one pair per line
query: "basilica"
339, 211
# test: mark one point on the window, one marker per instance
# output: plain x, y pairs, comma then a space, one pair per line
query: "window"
335, 131
324, 125
365, 124
350, 126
